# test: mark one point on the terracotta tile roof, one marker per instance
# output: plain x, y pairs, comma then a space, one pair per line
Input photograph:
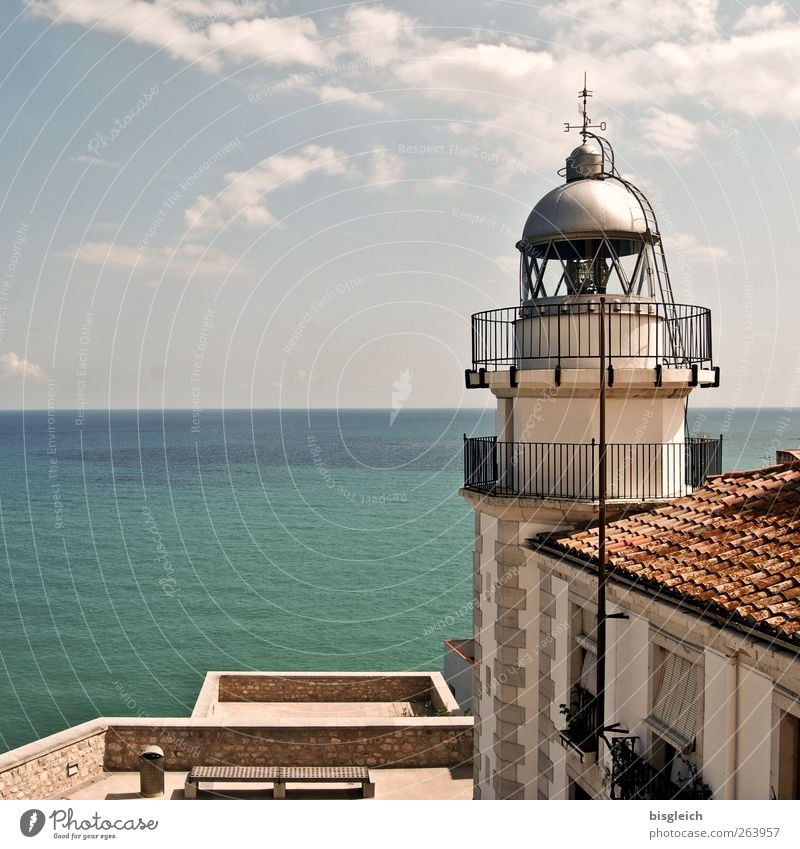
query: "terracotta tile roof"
732, 548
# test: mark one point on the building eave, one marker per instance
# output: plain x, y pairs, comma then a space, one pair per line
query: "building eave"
661, 593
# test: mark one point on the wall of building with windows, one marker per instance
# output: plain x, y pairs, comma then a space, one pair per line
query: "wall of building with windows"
701, 710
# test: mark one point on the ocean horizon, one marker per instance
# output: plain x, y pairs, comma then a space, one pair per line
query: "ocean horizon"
143, 548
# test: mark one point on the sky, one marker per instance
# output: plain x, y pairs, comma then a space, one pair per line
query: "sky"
246, 203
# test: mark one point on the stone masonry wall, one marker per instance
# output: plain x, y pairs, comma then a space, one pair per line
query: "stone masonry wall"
509, 671
547, 687
45, 776
428, 744
309, 688
477, 625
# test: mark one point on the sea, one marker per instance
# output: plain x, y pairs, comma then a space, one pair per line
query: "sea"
141, 549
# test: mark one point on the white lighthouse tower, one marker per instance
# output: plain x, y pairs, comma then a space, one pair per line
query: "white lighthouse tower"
592, 372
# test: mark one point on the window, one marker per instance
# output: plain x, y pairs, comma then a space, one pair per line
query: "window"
674, 714
789, 757
580, 708
584, 663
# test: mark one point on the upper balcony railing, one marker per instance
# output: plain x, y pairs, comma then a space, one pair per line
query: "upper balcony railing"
634, 471
639, 333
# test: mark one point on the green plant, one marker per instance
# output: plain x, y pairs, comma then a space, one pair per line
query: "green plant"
694, 787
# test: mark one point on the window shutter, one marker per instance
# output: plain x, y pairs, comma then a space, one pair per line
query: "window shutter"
674, 714
588, 679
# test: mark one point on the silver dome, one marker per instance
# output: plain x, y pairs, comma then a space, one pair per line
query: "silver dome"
584, 161
585, 208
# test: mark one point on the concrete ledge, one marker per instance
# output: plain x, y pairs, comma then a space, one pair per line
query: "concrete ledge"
536, 381
562, 511
412, 742
325, 687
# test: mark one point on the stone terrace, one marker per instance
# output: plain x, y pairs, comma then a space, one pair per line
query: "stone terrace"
399, 724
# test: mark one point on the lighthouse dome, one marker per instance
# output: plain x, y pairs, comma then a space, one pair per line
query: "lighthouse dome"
586, 208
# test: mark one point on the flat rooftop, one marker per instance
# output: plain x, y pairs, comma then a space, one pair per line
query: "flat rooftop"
405, 727
267, 712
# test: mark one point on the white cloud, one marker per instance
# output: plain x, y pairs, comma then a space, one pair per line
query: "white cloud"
686, 247
379, 33
156, 24
755, 74
186, 258
672, 136
244, 194
465, 70
280, 41
92, 160
13, 366
761, 17
383, 166
632, 21
210, 34
512, 94
340, 92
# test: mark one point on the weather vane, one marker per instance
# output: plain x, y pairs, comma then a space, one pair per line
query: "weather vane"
584, 128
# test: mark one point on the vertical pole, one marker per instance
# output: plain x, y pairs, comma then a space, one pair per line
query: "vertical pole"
601, 536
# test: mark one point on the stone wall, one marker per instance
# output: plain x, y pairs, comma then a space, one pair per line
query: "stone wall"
509, 670
547, 687
428, 742
325, 688
39, 770
477, 649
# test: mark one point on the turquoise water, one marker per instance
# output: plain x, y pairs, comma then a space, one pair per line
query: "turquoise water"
141, 550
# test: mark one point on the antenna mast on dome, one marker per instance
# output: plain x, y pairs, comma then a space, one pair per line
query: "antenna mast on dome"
586, 124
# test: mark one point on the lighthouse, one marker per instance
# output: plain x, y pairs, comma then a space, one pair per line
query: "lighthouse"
592, 372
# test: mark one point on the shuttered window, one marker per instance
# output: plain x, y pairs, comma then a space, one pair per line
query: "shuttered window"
674, 714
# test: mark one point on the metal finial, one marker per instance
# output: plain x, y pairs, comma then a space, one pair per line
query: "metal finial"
587, 124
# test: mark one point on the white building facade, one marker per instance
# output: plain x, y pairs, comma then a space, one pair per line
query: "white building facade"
703, 663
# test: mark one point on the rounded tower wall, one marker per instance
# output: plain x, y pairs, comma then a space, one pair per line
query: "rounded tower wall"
562, 417
567, 334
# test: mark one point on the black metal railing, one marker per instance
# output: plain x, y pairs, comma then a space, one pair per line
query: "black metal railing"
634, 777
545, 336
581, 725
634, 471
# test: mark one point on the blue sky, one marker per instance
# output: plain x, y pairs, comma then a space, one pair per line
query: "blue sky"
234, 203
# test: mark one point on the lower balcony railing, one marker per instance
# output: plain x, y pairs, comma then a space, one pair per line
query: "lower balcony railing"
634, 777
634, 471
